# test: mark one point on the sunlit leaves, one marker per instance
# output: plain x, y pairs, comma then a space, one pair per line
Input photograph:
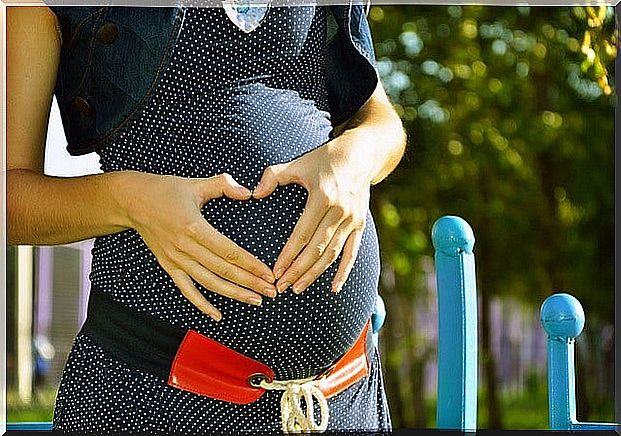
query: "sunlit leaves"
598, 42
454, 147
469, 28
552, 119
412, 43
514, 116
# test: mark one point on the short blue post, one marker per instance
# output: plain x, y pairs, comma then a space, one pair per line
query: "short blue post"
453, 241
563, 319
377, 318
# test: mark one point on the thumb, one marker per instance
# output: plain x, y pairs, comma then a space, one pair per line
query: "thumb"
223, 185
272, 177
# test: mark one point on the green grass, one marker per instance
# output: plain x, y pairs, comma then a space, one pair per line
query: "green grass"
525, 412
41, 408
528, 411
520, 412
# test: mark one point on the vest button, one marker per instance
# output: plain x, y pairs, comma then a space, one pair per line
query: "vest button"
83, 105
107, 33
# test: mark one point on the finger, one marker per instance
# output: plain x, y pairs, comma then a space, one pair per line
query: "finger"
315, 249
206, 235
350, 253
219, 186
228, 271
218, 285
314, 211
189, 291
329, 256
272, 177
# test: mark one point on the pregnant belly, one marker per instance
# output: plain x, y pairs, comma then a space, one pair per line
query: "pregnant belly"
295, 334
245, 129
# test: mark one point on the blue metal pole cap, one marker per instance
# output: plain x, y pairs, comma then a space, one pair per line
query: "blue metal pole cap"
378, 317
452, 235
562, 316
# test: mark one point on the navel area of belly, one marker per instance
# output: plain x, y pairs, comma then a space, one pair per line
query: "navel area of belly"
332, 320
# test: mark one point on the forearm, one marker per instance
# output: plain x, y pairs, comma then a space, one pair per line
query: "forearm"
47, 210
378, 136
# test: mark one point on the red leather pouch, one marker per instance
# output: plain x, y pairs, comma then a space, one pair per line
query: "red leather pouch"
206, 367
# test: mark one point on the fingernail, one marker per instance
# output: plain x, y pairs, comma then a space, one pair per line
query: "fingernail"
215, 316
243, 190
270, 292
257, 188
269, 278
279, 272
298, 288
255, 300
336, 287
283, 286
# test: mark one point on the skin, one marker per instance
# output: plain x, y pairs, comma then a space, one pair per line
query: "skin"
166, 209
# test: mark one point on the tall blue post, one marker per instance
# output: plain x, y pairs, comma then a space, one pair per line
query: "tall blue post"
453, 241
563, 319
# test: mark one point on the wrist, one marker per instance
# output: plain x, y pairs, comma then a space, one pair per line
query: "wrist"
382, 140
359, 147
122, 188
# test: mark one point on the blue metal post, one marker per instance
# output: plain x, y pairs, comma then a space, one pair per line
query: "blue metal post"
563, 319
377, 318
453, 241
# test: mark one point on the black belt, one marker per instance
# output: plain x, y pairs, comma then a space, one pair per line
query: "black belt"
138, 338
141, 340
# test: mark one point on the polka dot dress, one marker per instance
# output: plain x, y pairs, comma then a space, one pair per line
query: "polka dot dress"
235, 102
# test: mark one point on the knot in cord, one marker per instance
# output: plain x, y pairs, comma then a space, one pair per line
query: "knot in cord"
294, 418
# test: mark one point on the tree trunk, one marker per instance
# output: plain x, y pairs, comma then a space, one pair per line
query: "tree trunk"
494, 409
494, 419
421, 417
417, 376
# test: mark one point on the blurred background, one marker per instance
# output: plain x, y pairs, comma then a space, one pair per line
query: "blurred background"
510, 116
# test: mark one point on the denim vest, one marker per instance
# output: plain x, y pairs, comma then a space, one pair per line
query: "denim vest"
112, 56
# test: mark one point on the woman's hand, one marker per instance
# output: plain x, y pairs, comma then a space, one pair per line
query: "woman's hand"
166, 211
337, 177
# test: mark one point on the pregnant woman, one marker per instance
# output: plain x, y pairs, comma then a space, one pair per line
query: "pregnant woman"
232, 225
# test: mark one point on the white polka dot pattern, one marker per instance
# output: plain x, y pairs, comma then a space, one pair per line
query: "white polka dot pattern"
230, 102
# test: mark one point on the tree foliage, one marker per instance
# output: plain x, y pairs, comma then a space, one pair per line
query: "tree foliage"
511, 126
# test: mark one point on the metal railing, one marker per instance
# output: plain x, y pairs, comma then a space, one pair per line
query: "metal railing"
561, 315
563, 319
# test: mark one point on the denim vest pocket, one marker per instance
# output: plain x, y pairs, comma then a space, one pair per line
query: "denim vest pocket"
131, 65
78, 26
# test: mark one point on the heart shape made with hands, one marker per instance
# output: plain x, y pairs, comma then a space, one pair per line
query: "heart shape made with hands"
334, 230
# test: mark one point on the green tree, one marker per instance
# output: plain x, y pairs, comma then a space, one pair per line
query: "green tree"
508, 129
